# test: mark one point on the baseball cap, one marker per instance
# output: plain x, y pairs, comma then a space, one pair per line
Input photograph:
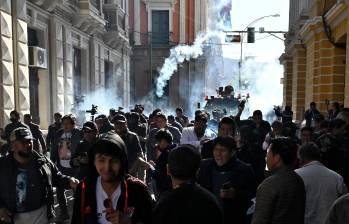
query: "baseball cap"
20, 134
120, 118
89, 126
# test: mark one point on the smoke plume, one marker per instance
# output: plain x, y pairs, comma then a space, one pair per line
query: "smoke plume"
178, 55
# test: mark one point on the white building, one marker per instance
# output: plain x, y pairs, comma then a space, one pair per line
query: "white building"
54, 51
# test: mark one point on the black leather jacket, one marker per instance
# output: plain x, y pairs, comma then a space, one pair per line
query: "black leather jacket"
50, 175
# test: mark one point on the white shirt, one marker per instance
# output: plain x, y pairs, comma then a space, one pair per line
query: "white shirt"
101, 196
189, 137
64, 150
323, 186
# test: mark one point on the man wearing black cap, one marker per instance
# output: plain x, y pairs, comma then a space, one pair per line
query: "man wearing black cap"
27, 179
109, 194
79, 160
133, 146
15, 123
103, 124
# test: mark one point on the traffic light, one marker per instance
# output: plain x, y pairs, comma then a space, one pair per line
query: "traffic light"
250, 35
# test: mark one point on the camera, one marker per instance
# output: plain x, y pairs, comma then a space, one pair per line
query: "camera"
93, 111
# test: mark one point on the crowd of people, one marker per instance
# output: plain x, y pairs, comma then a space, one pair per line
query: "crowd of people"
128, 168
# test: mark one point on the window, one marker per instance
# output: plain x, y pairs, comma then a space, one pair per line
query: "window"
160, 27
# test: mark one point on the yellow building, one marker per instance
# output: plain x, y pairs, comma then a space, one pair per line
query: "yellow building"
315, 58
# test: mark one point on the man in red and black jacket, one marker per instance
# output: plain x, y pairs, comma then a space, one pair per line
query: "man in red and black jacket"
109, 194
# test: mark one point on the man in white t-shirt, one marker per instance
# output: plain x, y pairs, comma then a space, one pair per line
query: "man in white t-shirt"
199, 134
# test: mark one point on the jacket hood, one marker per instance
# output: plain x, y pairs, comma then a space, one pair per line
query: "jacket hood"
110, 143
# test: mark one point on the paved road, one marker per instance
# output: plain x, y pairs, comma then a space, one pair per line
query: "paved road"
69, 194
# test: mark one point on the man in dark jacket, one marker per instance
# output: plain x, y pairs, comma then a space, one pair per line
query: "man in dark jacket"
260, 127
52, 130
311, 114
15, 123
187, 202
172, 121
65, 143
133, 146
280, 197
39, 141
109, 194
230, 180
27, 179
161, 123
103, 124
181, 118
286, 115
79, 159
134, 125
158, 168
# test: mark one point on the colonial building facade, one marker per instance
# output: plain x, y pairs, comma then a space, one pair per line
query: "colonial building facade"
53, 52
316, 55
155, 27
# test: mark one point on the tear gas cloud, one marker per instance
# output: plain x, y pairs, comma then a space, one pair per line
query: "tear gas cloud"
260, 77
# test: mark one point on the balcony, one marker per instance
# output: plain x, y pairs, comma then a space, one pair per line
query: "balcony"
89, 17
117, 26
48, 5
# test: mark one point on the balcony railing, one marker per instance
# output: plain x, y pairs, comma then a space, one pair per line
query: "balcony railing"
158, 39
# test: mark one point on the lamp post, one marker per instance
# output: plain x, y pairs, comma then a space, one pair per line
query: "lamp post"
242, 41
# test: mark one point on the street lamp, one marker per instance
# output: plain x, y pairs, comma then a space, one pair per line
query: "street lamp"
242, 41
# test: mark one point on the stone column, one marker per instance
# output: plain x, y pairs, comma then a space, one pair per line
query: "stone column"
298, 81
182, 19
57, 77
331, 74
20, 56
325, 71
137, 22
68, 70
287, 62
7, 95
94, 68
346, 90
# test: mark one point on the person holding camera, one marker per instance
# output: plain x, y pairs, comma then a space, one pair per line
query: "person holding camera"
229, 179
285, 115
